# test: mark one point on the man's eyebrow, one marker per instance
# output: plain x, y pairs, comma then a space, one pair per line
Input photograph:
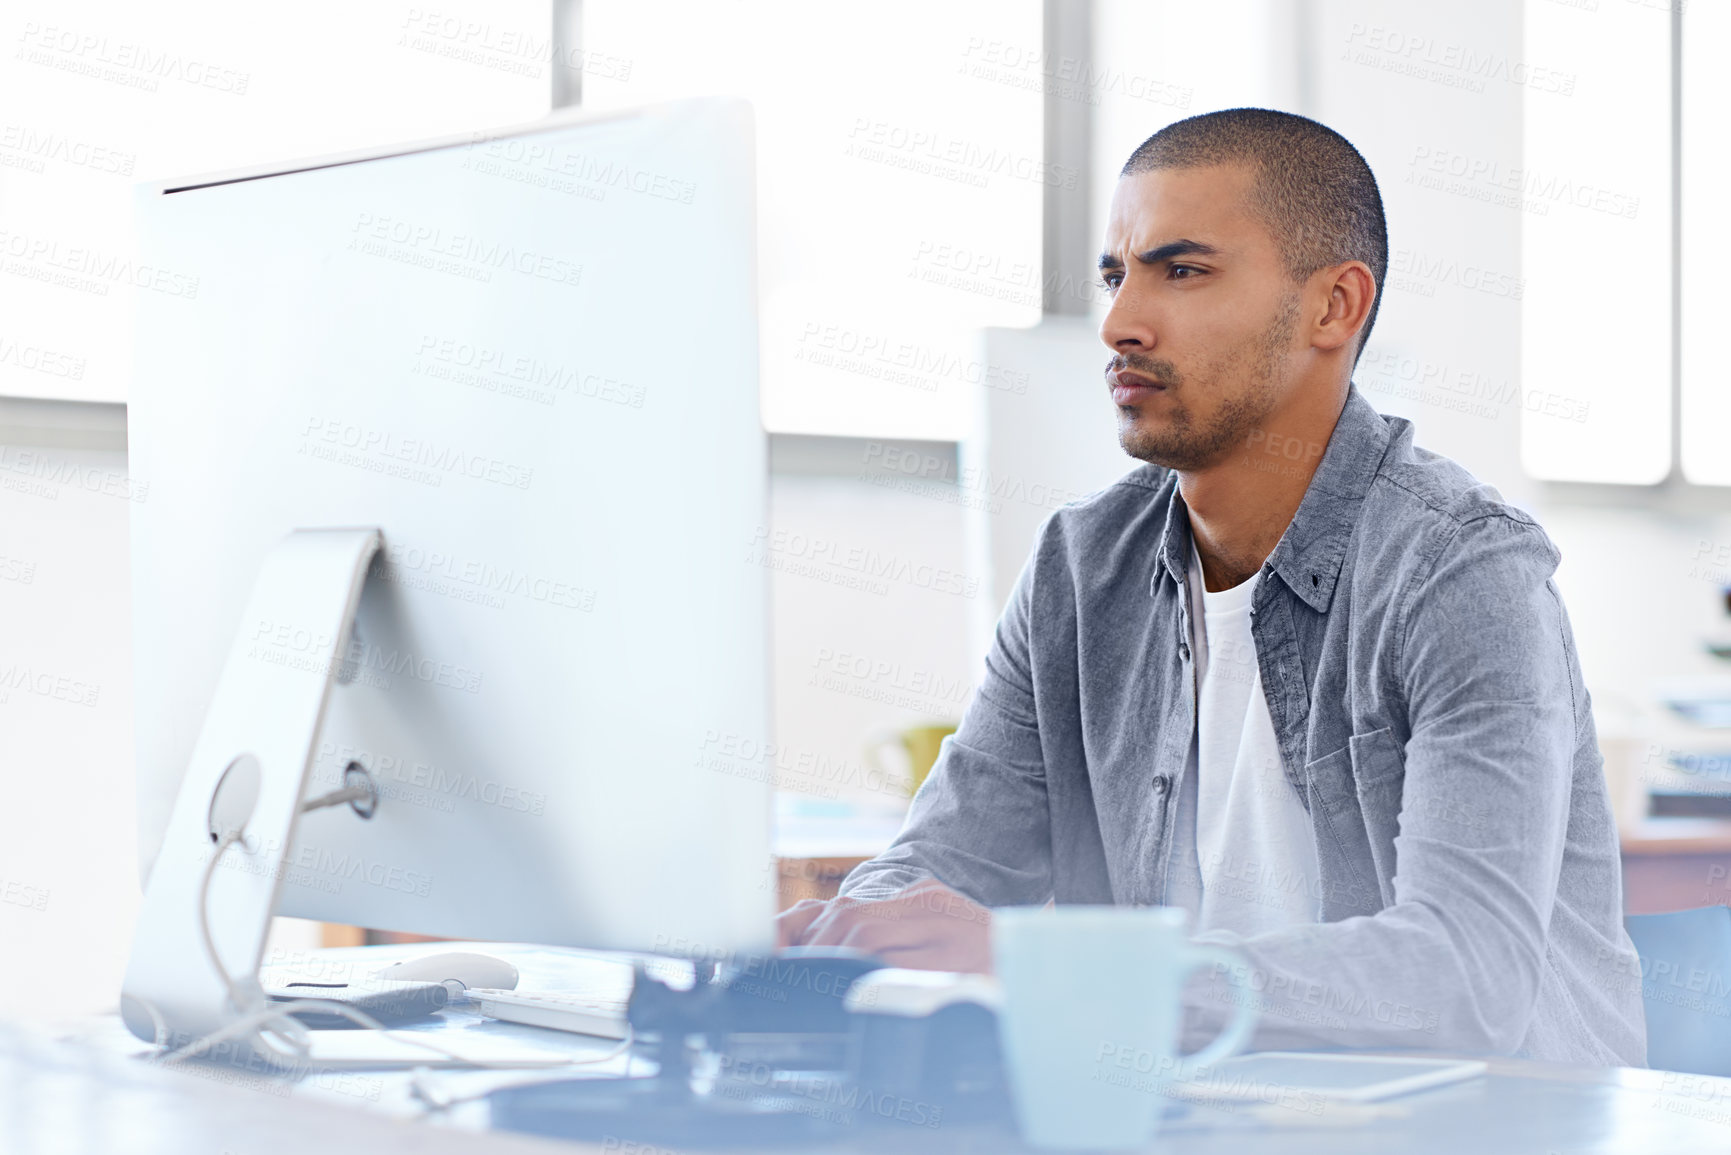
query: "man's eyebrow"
1165, 252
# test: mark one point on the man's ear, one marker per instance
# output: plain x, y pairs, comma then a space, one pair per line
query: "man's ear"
1351, 292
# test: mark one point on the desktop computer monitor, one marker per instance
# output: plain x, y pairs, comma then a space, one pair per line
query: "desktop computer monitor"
529, 358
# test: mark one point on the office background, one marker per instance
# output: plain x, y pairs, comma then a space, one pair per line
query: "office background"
933, 180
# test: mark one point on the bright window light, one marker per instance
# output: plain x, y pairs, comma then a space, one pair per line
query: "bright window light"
901, 178
1596, 245
97, 95
1706, 247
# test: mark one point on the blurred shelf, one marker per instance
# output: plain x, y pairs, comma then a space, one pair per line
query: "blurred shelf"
1676, 864
1677, 836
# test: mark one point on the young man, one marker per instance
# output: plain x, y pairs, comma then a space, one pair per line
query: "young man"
1294, 674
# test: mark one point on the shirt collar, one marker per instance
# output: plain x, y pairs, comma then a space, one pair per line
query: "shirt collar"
1309, 554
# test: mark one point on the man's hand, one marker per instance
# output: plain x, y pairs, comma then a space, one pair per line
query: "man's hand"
927, 926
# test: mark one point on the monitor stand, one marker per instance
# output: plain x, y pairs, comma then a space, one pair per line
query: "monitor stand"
782, 1064
663, 1110
246, 778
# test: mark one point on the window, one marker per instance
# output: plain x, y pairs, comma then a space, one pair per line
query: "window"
1706, 244
1596, 241
900, 182
101, 94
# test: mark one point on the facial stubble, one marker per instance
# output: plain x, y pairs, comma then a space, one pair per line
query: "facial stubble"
1180, 443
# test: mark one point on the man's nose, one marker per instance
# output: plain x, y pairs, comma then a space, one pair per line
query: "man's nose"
1127, 328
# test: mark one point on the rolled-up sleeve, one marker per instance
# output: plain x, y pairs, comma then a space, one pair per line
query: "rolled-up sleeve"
1457, 959
980, 822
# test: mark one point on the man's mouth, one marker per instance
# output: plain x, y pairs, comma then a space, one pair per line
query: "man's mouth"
1129, 387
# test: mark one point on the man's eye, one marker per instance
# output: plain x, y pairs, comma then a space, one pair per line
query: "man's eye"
1109, 283
1184, 272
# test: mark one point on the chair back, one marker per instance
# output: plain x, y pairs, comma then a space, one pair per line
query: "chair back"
1686, 988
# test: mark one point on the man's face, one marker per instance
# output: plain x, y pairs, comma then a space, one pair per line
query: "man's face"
1203, 316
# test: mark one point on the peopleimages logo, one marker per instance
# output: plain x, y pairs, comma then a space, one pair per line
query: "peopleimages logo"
1455, 65
55, 471
454, 784
900, 362
35, 359
1420, 272
425, 461
23, 894
36, 149
17, 570
45, 684
855, 559
324, 869
498, 157
438, 570
504, 49
463, 253
296, 647
1542, 187
1067, 77
122, 61
495, 370
46, 260
935, 153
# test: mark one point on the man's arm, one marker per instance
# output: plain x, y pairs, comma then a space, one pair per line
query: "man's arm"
1456, 961
979, 825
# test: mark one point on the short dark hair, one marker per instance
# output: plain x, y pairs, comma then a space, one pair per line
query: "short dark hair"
1312, 188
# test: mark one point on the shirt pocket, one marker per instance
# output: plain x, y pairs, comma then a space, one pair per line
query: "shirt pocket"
1379, 774
1356, 792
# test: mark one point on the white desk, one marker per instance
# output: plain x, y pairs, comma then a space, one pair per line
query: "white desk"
92, 1099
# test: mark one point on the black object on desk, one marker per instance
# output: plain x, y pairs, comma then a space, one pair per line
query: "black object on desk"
783, 1061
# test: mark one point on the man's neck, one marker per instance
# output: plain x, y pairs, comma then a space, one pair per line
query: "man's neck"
1241, 505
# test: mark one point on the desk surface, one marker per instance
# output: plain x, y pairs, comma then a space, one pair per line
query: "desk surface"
94, 1097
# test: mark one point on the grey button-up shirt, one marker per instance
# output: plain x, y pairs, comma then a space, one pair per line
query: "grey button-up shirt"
1422, 679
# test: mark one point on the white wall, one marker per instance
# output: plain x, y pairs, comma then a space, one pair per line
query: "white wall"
1451, 307
68, 877
1051, 439
872, 594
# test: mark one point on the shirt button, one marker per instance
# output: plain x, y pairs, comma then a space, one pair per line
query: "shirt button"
1184, 651
1161, 785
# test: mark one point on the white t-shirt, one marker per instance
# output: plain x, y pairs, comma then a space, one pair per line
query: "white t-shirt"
1255, 848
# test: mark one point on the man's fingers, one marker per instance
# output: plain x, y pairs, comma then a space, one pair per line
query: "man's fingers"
847, 922
870, 934
792, 924
862, 922
924, 942
834, 922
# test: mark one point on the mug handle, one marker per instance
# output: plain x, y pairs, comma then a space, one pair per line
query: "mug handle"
1236, 1034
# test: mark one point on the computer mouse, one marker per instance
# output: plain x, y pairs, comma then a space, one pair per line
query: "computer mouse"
462, 967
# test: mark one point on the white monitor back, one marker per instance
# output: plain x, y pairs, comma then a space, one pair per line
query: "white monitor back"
529, 358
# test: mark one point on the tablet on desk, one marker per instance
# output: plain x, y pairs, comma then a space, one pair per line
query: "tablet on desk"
1344, 1078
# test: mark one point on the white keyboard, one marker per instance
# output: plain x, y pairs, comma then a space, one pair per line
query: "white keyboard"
593, 1012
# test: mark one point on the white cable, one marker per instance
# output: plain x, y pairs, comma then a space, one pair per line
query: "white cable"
234, 994
277, 1021
337, 798
253, 1021
434, 1099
